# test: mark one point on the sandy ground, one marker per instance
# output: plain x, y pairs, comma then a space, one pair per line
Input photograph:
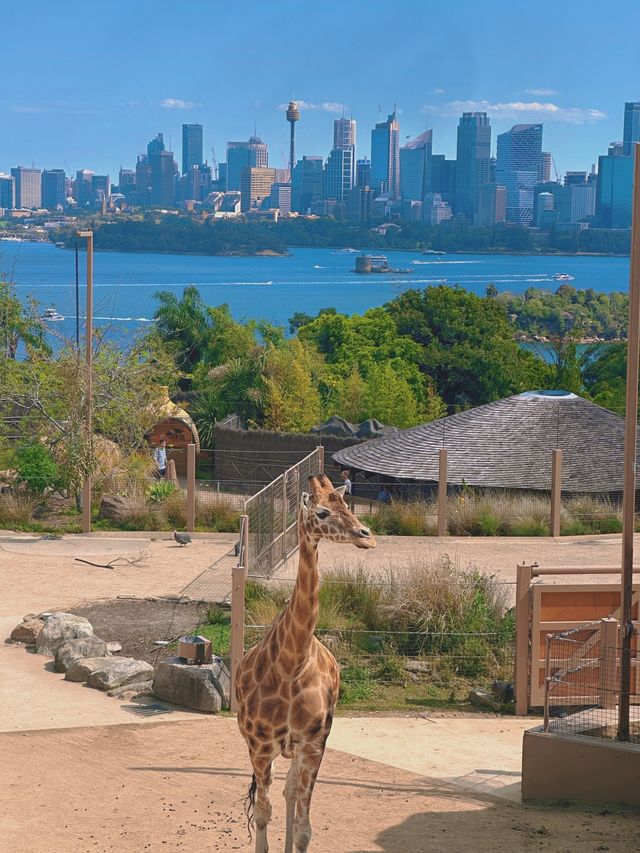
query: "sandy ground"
180, 786
85, 772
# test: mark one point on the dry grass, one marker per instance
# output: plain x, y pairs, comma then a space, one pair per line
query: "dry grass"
17, 510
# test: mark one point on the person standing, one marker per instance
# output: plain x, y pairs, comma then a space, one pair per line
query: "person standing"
344, 476
160, 458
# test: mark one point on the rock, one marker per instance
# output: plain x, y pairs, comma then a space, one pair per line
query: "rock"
203, 688
138, 688
418, 666
27, 631
503, 690
29, 616
73, 650
484, 699
59, 628
117, 507
113, 648
82, 669
117, 672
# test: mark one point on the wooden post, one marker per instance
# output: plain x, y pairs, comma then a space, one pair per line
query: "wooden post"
191, 487
547, 679
86, 486
630, 434
556, 492
171, 473
608, 673
237, 609
321, 459
523, 587
442, 491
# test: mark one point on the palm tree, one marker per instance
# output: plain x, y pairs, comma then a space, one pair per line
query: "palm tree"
185, 321
17, 325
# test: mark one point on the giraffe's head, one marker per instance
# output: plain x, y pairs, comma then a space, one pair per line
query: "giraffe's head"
325, 515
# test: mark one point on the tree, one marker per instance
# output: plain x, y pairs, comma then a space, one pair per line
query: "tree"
605, 376
18, 325
292, 400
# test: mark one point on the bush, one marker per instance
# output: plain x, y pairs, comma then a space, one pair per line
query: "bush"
218, 516
36, 468
161, 490
17, 510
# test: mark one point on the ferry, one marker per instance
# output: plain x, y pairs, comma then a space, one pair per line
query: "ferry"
52, 315
433, 252
346, 251
562, 276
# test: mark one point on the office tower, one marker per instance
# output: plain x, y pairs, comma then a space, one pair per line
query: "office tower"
344, 133
518, 169
206, 180
492, 205
156, 145
443, 177
385, 157
82, 192
281, 197
27, 187
472, 162
561, 203
293, 115
7, 192
415, 167
222, 176
363, 173
631, 132
191, 146
614, 188
255, 186
582, 199
572, 178
545, 167
359, 203
545, 213
337, 179
435, 210
100, 190
306, 183
163, 171
245, 155
143, 180
53, 190
127, 182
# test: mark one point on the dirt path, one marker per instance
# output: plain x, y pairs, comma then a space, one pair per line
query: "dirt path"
180, 786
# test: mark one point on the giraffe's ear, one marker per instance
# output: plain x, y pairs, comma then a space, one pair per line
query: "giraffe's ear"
305, 500
340, 490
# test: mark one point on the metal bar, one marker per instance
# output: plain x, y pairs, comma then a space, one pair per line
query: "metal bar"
86, 486
630, 438
556, 491
237, 610
191, 487
547, 679
442, 491
523, 585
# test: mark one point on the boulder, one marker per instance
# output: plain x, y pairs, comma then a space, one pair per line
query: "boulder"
59, 628
117, 672
129, 691
422, 666
203, 688
82, 669
73, 650
117, 507
484, 699
113, 648
27, 631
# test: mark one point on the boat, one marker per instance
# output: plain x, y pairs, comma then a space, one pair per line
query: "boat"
433, 252
52, 315
562, 276
345, 251
10, 239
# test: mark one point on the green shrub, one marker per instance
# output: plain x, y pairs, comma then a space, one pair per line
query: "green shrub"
36, 468
356, 684
161, 490
390, 668
218, 516
17, 510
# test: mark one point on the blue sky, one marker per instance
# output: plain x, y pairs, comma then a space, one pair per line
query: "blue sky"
86, 86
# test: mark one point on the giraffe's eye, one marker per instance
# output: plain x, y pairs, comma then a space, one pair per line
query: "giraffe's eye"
323, 512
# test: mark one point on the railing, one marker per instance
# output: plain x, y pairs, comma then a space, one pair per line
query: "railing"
272, 516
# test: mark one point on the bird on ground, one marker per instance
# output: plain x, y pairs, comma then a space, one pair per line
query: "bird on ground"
181, 538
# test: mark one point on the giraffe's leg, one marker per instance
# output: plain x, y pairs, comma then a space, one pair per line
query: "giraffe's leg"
290, 794
309, 759
262, 812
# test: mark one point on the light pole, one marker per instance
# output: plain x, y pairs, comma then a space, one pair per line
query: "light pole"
86, 486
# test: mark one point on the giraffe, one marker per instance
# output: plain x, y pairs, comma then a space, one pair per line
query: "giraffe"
287, 685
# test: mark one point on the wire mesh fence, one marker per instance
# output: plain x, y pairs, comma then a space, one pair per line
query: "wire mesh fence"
272, 516
582, 682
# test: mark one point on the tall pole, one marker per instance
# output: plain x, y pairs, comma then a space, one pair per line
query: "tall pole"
77, 302
630, 437
293, 115
86, 488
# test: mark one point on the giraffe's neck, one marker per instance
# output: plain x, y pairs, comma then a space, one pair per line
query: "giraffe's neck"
302, 611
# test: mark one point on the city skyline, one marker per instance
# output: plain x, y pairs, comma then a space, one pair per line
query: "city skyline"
96, 106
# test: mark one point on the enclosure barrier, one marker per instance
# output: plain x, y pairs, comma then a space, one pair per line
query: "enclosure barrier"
559, 607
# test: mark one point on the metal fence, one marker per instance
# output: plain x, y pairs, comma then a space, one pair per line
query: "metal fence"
272, 516
582, 682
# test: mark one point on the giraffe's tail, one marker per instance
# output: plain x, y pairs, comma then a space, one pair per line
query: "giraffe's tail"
250, 804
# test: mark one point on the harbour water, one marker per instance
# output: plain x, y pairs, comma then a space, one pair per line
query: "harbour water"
273, 288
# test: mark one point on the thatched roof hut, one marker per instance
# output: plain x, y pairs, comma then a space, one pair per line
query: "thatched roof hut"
506, 445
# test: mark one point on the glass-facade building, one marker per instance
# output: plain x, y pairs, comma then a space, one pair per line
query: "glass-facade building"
415, 167
472, 162
518, 168
306, 183
53, 188
245, 155
7, 192
631, 132
27, 187
614, 190
191, 146
337, 178
385, 157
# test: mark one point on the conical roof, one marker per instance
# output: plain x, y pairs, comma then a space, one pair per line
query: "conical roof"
506, 444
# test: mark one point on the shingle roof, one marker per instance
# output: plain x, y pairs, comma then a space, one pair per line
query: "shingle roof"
506, 444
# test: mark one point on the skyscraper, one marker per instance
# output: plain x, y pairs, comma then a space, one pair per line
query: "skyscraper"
443, 177
337, 179
385, 157
631, 126
518, 168
53, 188
245, 155
306, 183
472, 162
344, 133
545, 168
163, 173
191, 146
293, 115
7, 192
415, 167
82, 192
614, 188
27, 187
363, 172
100, 190
255, 186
